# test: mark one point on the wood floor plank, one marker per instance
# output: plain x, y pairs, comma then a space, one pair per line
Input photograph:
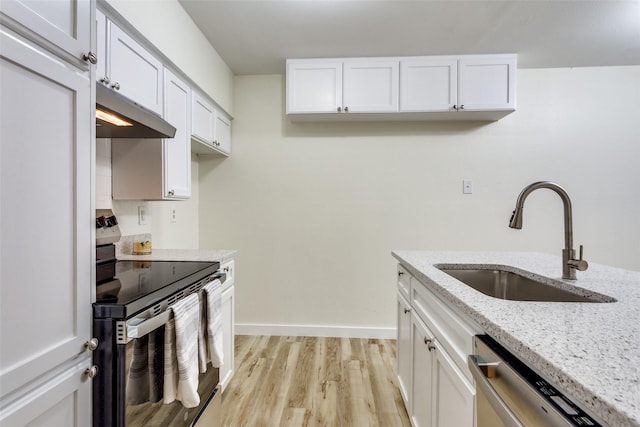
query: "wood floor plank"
308, 382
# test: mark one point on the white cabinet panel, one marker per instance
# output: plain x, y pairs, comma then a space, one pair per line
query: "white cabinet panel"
66, 24
177, 150
370, 86
314, 86
202, 118
46, 207
133, 71
222, 133
487, 82
228, 323
422, 374
453, 394
428, 84
403, 343
62, 401
101, 46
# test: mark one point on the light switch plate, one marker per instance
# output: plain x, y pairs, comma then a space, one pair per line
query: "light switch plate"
142, 215
467, 186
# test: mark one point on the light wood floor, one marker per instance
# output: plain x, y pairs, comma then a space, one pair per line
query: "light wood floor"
307, 381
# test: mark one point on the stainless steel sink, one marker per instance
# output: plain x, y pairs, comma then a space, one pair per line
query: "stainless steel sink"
508, 285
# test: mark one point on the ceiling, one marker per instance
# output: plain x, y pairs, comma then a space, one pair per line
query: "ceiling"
255, 37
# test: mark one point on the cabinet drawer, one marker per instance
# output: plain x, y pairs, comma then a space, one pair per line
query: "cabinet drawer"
404, 282
451, 330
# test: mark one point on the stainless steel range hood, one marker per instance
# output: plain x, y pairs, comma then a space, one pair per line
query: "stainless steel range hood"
119, 117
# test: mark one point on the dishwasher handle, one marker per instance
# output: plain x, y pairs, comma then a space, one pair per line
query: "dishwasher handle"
476, 365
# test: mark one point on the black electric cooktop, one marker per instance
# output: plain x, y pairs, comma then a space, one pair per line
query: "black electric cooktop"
140, 284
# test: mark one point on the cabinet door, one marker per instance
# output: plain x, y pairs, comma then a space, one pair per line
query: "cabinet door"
422, 373
370, 86
45, 182
454, 395
487, 82
228, 327
64, 23
222, 133
177, 150
63, 401
404, 348
203, 119
314, 86
133, 70
101, 47
428, 84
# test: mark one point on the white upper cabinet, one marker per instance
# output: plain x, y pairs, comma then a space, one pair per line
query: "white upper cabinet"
337, 86
211, 128
154, 169
428, 84
132, 70
487, 82
370, 86
64, 25
314, 86
177, 150
468, 87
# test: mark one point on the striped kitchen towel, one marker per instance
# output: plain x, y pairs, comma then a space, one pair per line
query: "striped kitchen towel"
181, 353
213, 292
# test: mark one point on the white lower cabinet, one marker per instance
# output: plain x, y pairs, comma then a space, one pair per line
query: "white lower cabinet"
228, 324
436, 390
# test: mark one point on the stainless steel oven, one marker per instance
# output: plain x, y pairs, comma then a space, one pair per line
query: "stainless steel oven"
509, 393
130, 314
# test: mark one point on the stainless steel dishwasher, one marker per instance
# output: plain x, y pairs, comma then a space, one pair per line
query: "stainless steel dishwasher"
508, 393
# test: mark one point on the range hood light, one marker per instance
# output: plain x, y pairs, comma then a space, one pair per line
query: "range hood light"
111, 118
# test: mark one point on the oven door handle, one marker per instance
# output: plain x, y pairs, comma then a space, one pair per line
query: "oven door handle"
141, 329
482, 382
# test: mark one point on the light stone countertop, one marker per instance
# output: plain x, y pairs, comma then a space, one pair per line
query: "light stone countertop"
590, 351
180, 255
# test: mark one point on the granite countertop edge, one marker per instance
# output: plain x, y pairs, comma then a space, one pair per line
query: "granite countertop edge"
603, 375
207, 255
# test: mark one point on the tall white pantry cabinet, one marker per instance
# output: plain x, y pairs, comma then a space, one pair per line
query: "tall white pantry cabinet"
46, 212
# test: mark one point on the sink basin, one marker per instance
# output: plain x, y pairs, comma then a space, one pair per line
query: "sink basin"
508, 285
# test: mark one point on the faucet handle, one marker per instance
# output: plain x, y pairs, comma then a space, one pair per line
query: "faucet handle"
579, 264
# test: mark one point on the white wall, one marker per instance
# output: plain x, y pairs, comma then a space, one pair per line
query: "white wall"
168, 27
315, 209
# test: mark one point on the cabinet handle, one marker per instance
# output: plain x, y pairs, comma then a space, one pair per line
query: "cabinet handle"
172, 192
455, 107
339, 109
90, 57
462, 107
400, 273
346, 109
91, 372
407, 310
427, 340
431, 347
116, 86
105, 80
92, 344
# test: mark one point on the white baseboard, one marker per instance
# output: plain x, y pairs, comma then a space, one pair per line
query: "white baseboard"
315, 331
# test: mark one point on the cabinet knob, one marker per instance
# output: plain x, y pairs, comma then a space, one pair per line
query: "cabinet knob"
346, 109
91, 372
455, 107
90, 57
431, 347
116, 86
407, 310
339, 109
172, 192
92, 344
400, 273
105, 80
462, 107
427, 340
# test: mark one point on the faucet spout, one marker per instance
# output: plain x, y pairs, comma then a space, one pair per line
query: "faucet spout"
569, 263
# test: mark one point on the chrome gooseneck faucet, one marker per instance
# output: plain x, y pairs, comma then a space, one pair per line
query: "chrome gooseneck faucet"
569, 263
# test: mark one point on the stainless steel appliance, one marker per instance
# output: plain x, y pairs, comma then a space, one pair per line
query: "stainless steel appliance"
508, 393
129, 317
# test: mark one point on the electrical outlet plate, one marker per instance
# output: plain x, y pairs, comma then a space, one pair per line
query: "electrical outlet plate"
142, 215
172, 214
467, 186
